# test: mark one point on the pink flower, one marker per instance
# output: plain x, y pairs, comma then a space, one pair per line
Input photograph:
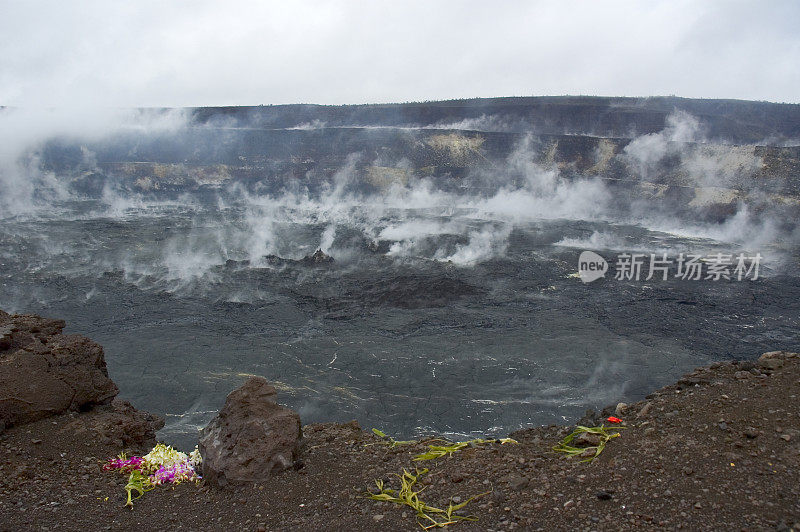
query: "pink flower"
124, 464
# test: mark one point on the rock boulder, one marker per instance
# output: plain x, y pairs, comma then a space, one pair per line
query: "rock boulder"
44, 373
252, 437
120, 424
319, 257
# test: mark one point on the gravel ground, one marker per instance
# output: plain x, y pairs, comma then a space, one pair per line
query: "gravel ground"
720, 449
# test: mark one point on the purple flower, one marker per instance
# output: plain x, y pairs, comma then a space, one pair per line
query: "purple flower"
174, 473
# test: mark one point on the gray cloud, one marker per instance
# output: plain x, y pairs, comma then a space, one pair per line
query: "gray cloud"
149, 53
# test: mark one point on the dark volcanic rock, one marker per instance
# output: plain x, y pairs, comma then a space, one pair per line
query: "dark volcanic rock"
413, 291
319, 257
120, 424
252, 437
43, 372
773, 360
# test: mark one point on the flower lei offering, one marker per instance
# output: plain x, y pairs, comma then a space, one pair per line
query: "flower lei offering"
162, 465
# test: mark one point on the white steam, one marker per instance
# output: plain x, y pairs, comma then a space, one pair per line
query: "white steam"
647, 151
481, 123
328, 237
24, 185
414, 219
483, 245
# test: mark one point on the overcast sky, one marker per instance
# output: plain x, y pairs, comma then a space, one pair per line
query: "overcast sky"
175, 53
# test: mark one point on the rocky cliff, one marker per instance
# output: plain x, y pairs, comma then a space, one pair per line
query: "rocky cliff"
45, 373
701, 155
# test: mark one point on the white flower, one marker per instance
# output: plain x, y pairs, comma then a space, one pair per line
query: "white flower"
194, 458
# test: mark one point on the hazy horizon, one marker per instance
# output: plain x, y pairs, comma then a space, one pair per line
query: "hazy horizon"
412, 102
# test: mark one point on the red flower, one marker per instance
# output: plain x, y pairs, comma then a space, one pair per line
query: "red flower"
613, 419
